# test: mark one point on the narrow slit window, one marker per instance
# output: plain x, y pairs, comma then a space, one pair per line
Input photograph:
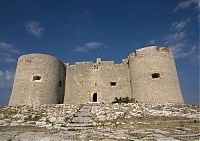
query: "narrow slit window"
36, 78
113, 84
60, 83
155, 75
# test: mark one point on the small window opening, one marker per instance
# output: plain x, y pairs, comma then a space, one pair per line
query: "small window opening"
94, 99
60, 83
112, 83
95, 84
36, 78
155, 75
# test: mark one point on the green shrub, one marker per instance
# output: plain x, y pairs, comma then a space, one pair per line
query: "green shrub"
124, 100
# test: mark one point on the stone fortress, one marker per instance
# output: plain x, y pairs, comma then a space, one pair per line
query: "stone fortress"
147, 75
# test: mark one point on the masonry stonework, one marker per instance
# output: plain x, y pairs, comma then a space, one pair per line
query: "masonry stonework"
37, 80
148, 75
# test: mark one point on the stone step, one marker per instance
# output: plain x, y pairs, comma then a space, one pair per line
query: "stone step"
79, 125
82, 114
81, 119
85, 109
75, 128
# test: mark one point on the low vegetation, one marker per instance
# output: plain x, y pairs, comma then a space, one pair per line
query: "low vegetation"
124, 100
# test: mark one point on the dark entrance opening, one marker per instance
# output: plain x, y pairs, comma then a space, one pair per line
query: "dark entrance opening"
95, 97
155, 75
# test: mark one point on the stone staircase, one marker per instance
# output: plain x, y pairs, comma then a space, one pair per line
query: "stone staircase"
82, 119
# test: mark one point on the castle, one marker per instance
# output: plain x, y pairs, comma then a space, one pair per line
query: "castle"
148, 75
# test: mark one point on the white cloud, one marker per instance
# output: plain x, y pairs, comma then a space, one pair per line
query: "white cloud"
6, 57
152, 41
6, 79
8, 47
179, 25
7, 52
179, 50
175, 37
34, 28
196, 59
90, 46
179, 45
187, 4
177, 40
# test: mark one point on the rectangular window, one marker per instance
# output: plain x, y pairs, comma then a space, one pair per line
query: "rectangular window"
36, 78
155, 75
113, 84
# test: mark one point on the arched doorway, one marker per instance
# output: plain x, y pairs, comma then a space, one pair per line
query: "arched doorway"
94, 97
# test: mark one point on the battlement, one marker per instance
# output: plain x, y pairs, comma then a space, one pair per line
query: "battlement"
81, 63
36, 58
146, 51
93, 65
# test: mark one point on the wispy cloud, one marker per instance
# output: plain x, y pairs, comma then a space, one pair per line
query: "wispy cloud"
6, 79
179, 50
196, 58
8, 47
7, 52
150, 42
177, 40
34, 28
7, 58
187, 4
90, 46
179, 25
175, 37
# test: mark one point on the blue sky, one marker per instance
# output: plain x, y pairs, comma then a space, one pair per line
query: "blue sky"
77, 30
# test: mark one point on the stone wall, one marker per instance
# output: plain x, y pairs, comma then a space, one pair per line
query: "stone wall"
153, 76
77, 83
106, 79
148, 75
39, 79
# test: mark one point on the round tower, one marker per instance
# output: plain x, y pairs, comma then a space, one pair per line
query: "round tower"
153, 76
39, 79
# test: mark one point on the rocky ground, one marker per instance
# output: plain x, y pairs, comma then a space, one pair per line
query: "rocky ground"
135, 121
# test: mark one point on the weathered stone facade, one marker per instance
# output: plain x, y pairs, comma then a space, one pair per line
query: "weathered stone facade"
148, 75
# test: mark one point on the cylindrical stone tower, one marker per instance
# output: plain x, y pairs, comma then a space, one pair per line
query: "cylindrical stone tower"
153, 76
39, 79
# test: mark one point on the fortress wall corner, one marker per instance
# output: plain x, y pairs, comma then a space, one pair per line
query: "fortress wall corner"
39, 79
153, 76
77, 83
